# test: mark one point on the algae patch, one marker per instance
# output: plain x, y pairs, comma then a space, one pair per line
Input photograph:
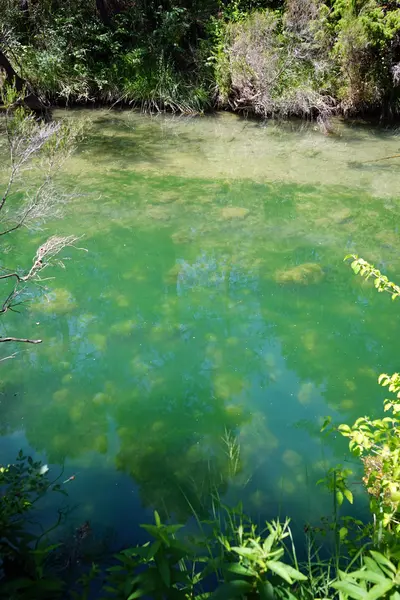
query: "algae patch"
304, 274
234, 212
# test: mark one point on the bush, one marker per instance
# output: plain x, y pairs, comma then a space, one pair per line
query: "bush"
267, 69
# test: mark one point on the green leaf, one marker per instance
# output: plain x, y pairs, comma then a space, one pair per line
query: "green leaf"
368, 575
382, 560
247, 552
344, 427
294, 573
163, 568
348, 495
379, 591
266, 590
372, 565
339, 497
137, 594
157, 532
351, 589
153, 549
327, 421
232, 589
172, 528
343, 533
239, 569
157, 519
283, 570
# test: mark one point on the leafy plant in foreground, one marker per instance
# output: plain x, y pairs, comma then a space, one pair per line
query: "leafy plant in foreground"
24, 553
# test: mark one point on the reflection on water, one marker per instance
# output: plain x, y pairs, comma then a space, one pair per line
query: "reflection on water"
212, 324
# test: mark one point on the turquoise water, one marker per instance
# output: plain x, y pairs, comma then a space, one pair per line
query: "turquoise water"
211, 324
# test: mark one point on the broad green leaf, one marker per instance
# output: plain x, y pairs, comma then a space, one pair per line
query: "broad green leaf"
379, 591
294, 573
344, 427
137, 594
353, 590
239, 569
232, 589
339, 497
115, 569
153, 549
348, 495
157, 532
280, 569
243, 551
372, 565
172, 528
343, 533
267, 545
382, 560
368, 575
141, 551
163, 568
266, 590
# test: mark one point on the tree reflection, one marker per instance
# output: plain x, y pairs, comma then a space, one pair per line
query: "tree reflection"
179, 332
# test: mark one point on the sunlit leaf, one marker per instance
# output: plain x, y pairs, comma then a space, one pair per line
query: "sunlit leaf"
353, 590
348, 495
285, 571
383, 560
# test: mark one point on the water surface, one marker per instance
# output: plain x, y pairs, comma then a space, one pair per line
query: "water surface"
211, 325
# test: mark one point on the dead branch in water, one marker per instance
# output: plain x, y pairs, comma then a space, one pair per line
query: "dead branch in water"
14, 339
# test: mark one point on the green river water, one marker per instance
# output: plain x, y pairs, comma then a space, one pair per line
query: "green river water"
189, 349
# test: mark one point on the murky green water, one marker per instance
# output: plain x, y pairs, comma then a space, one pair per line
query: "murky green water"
212, 312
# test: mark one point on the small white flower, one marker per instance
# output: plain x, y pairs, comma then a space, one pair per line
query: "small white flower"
43, 470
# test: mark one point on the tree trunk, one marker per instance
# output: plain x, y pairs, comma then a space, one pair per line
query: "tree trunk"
31, 100
10, 73
102, 8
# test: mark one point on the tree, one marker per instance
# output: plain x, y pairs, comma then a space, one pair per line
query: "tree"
36, 149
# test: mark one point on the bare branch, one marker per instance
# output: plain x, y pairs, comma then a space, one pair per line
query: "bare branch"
24, 340
43, 258
11, 275
13, 355
41, 149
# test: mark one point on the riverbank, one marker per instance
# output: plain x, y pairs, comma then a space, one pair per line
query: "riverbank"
309, 59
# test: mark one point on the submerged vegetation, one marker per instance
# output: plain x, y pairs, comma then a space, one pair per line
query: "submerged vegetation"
309, 58
198, 547
222, 553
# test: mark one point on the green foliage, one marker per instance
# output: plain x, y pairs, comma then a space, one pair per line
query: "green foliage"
377, 441
160, 569
187, 55
378, 577
336, 482
365, 269
244, 561
228, 555
23, 553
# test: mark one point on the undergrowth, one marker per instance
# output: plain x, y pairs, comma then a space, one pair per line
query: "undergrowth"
310, 58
